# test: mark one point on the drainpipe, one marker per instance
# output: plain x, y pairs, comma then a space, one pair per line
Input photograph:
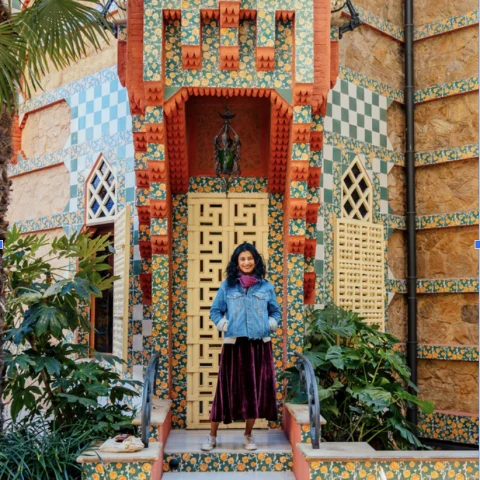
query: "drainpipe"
411, 214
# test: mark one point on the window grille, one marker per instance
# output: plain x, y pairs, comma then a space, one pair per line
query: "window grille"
357, 192
359, 282
101, 194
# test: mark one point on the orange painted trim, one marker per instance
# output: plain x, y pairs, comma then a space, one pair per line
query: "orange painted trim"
144, 214
299, 170
309, 288
314, 174
142, 178
146, 287
312, 212
122, 62
316, 140
285, 15
229, 14
295, 244
265, 59
145, 248
310, 247
157, 171
154, 132
297, 208
229, 58
191, 57
153, 93
322, 55
160, 244
301, 133
140, 141
334, 62
302, 93
158, 208
170, 14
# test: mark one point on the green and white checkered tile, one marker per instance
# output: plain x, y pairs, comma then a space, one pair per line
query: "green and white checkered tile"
356, 112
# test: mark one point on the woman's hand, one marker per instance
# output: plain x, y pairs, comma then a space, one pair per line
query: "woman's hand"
222, 325
273, 323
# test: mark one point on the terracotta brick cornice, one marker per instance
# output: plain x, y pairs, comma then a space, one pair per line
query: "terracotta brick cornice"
158, 208
191, 57
309, 281
160, 244
229, 14
295, 244
265, 59
229, 58
314, 174
316, 140
312, 212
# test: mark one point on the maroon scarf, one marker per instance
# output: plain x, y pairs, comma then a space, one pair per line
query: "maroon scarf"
247, 281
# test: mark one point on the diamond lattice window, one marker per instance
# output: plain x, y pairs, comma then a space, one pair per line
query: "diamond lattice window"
359, 275
101, 194
357, 192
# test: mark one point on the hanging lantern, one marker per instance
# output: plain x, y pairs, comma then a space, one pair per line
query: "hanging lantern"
227, 149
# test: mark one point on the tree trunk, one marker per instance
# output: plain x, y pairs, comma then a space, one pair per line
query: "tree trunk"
6, 151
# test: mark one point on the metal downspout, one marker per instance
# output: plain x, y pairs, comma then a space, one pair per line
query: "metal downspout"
411, 213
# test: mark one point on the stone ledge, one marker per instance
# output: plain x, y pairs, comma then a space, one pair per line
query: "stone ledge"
160, 409
336, 451
150, 454
300, 414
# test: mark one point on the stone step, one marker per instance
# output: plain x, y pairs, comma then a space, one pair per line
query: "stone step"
183, 453
160, 409
229, 476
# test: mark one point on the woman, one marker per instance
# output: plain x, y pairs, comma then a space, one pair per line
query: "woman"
246, 311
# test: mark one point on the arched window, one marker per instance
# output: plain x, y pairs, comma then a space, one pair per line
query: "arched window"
357, 192
101, 194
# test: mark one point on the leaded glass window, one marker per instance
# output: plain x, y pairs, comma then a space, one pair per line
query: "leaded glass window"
101, 194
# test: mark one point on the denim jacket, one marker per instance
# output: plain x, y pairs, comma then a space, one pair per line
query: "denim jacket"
253, 313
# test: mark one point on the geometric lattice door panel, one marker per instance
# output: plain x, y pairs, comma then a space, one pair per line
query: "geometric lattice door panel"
359, 283
216, 225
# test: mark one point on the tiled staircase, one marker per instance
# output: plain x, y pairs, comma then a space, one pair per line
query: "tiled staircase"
176, 454
273, 459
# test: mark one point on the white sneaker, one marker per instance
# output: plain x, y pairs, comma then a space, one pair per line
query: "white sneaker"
210, 444
248, 442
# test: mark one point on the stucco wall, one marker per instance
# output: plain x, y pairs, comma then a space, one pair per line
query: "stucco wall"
373, 54
445, 58
47, 130
447, 187
39, 194
448, 319
447, 253
397, 317
446, 123
94, 61
396, 126
397, 254
390, 10
451, 385
426, 12
397, 188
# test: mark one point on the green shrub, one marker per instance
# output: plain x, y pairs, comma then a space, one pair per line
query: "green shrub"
43, 373
361, 380
32, 450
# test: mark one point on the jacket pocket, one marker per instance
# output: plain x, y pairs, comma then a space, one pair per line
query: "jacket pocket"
260, 305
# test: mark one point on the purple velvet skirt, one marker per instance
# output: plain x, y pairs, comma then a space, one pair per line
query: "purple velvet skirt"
246, 382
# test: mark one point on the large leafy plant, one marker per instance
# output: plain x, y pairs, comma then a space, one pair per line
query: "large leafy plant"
33, 450
362, 382
45, 373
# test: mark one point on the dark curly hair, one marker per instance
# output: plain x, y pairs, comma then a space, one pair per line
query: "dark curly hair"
232, 268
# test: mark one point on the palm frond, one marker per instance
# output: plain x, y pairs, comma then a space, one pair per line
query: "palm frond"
12, 62
50, 32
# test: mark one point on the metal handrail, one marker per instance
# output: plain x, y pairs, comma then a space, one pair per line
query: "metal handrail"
309, 384
148, 389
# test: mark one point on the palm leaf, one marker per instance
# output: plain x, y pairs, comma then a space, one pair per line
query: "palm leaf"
12, 55
49, 33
